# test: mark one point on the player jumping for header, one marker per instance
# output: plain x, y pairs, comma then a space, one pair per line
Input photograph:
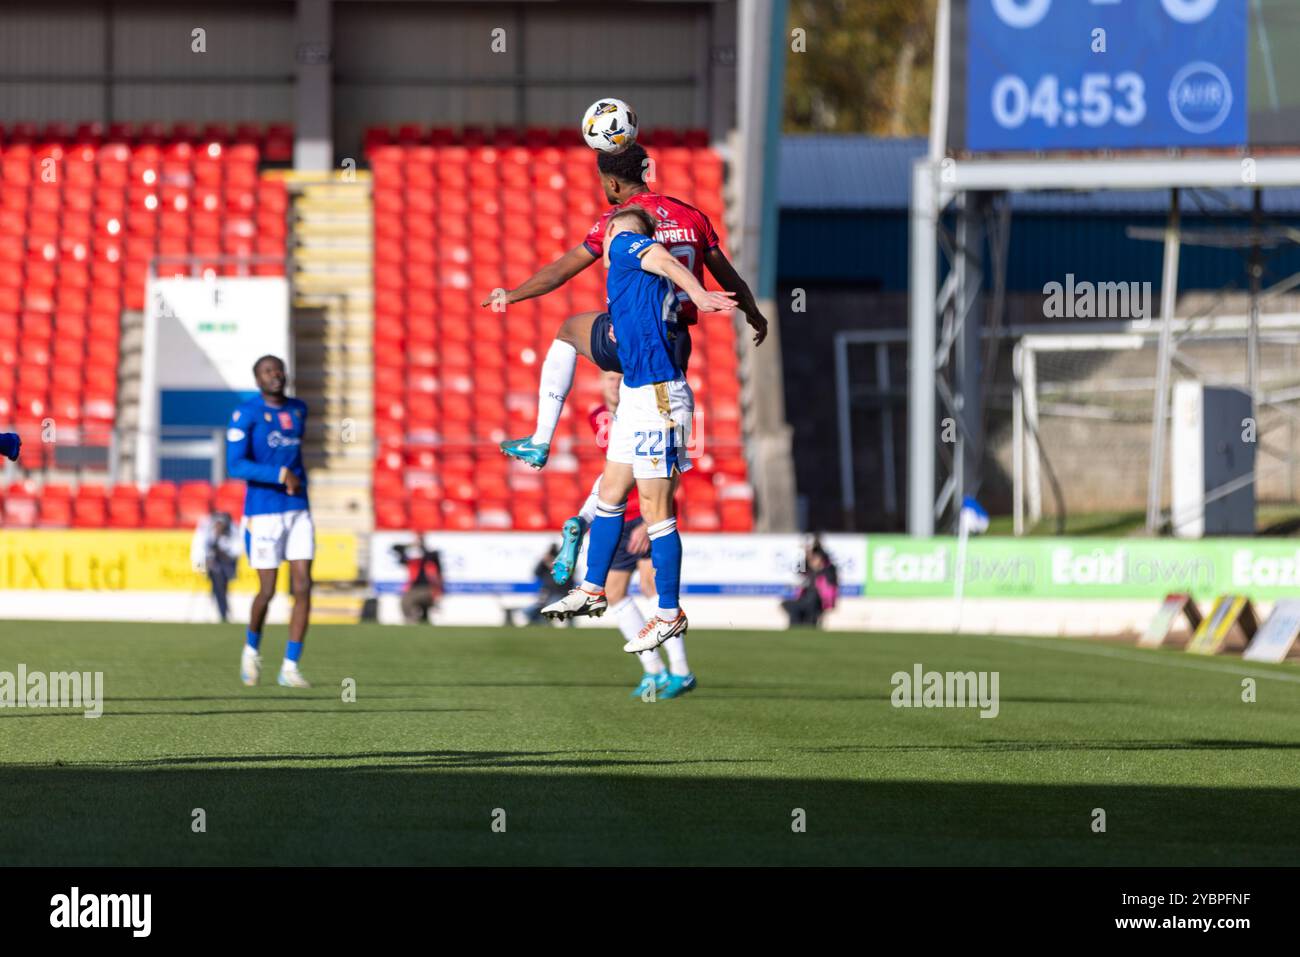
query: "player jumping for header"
650, 436
631, 555
264, 448
686, 234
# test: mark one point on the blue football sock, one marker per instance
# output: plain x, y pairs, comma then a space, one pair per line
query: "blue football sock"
254, 639
293, 651
602, 541
666, 555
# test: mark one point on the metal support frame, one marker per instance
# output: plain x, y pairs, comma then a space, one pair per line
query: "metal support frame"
951, 368
1160, 416
881, 340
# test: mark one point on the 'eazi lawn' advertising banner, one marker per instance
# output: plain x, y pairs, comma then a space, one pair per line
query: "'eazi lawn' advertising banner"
898, 566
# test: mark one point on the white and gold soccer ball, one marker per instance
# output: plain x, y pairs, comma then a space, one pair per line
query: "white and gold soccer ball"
609, 125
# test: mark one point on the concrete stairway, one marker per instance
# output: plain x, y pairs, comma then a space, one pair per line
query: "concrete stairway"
332, 323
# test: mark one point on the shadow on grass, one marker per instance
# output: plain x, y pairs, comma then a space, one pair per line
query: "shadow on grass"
253, 710
437, 808
1048, 746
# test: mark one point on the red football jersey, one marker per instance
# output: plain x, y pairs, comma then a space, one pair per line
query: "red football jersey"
683, 230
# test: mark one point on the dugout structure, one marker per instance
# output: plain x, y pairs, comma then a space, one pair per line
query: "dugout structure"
1042, 95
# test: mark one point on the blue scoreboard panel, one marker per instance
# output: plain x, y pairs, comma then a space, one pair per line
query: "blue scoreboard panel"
1106, 74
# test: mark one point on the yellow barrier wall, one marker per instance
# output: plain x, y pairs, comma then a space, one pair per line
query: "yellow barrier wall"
74, 560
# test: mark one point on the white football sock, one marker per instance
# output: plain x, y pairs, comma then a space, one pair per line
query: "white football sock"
676, 648
630, 621
553, 388
588, 511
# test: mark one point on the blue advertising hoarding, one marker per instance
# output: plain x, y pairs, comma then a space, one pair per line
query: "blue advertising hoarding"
1106, 74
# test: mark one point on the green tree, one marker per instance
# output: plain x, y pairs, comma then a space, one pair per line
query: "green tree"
866, 67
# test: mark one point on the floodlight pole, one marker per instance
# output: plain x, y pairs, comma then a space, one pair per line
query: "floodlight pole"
1168, 300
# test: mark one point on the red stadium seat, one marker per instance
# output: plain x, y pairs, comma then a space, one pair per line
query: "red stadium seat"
88, 511
440, 203
20, 508
124, 507
56, 506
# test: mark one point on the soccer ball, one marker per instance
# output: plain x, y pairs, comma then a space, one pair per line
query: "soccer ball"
609, 126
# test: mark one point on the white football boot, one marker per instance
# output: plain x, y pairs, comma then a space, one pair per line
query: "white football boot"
577, 602
250, 667
291, 677
655, 632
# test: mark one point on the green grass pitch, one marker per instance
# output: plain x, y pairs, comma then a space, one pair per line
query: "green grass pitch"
451, 724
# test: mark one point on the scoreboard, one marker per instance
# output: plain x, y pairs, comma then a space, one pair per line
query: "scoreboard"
1088, 75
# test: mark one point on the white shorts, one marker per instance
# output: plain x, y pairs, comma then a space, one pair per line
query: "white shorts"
652, 428
279, 537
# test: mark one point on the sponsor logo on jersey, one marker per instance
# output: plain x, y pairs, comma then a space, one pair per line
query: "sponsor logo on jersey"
278, 439
286, 420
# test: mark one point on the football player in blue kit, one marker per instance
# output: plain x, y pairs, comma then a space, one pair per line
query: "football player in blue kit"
264, 448
651, 433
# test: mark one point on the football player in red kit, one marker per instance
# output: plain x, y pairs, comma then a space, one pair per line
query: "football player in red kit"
682, 229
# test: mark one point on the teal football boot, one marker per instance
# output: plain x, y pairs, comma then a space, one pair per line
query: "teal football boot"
534, 455
567, 560
651, 686
678, 685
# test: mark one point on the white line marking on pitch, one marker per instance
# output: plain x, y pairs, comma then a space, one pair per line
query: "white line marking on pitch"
1061, 644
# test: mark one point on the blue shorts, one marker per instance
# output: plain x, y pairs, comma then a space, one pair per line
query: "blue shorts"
625, 561
604, 351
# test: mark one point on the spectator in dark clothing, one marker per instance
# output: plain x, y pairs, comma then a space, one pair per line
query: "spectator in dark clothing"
424, 586
547, 590
818, 588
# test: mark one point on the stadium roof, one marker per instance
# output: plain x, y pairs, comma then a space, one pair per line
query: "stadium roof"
846, 172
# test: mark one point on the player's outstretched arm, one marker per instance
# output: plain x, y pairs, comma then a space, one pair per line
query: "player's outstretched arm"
720, 268
550, 277
661, 262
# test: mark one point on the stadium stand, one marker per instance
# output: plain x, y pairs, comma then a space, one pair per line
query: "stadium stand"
82, 213
454, 219
84, 210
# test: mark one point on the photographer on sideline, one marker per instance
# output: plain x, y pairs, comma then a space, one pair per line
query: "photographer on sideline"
214, 552
424, 585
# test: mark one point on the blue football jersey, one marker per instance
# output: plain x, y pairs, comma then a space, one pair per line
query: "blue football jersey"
643, 309
261, 440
